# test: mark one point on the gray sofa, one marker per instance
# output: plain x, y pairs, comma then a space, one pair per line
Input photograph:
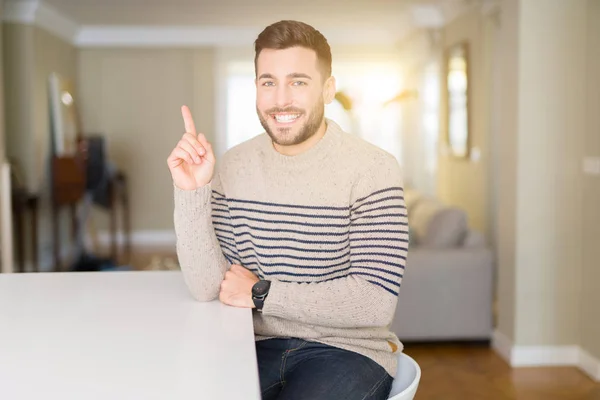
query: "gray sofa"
447, 289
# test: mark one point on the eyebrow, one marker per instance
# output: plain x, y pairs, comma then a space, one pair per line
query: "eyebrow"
292, 75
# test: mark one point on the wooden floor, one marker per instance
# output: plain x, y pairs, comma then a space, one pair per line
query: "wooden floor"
475, 371
463, 371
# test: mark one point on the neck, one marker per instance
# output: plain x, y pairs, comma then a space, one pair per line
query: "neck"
299, 148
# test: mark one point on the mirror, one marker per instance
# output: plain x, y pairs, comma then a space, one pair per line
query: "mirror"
457, 100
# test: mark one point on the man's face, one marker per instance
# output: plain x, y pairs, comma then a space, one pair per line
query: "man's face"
291, 94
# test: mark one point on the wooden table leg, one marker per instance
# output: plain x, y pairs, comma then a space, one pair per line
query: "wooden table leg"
126, 220
56, 240
113, 223
19, 242
34, 235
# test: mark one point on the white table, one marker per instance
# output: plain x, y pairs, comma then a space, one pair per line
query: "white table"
121, 335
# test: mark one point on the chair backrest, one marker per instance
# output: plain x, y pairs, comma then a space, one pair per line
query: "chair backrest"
406, 380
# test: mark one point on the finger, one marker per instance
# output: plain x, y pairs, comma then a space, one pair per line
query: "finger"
210, 155
173, 161
181, 154
191, 138
202, 139
188, 120
204, 142
193, 152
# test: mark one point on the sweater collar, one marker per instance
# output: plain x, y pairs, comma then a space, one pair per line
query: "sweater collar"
320, 150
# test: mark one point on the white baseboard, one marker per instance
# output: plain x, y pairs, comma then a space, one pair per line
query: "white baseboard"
502, 345
589, 365
545, 356
160, 238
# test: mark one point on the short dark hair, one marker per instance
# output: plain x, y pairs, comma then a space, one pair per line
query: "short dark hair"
285, 34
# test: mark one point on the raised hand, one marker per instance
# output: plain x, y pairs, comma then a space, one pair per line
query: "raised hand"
192, 161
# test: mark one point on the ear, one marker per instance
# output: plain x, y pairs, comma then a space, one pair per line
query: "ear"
329, 90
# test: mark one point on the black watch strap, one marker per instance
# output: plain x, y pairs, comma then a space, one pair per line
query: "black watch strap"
260, 291
259, 303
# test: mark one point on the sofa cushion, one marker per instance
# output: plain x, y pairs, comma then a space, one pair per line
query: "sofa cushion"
436, 225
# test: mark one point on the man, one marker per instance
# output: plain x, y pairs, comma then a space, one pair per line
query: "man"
305, 224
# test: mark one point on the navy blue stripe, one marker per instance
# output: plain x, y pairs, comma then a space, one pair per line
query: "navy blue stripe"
381, 231
226, 224
231, 253
393, 255
377, 192
378, 269
319, 281
401, 207
388, 239
279, 248
224, 231
379, 216
228, 259
263, 264
374, 246
287, 239
216, 200
346, 216
401, 198
291, 222
215, 192
277, 230
376, 276
228, 247
257, 254
344, 276
303, 274
385, 287
393, 223
289, 205
215, 208
371, 262
225, 240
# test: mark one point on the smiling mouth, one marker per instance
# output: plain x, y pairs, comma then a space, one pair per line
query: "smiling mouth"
285, 118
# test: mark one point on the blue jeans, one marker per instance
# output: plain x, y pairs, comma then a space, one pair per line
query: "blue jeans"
294, 369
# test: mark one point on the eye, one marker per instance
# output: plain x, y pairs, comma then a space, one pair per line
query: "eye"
299, 83
268, 83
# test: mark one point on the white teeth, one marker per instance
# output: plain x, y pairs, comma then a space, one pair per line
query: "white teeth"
286, 117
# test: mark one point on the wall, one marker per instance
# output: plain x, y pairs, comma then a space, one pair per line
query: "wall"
464, 182
133, 97
2, 133
30, 55
18, 85
551, 126
505, 135
590, 297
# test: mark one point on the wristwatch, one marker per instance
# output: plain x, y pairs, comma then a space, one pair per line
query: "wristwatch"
260, 290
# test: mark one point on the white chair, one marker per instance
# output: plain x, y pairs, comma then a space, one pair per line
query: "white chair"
406, 380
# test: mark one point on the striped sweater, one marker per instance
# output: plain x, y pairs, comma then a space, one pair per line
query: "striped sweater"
327, 227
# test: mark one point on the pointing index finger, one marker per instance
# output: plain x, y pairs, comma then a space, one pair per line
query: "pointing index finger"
188, 120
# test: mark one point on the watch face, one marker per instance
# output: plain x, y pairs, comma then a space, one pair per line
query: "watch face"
261, 288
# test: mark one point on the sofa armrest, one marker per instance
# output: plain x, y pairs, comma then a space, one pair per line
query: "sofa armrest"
446, 294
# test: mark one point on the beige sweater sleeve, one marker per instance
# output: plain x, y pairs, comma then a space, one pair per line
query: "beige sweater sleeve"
202, 261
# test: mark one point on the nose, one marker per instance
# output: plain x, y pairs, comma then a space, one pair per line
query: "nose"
283, 98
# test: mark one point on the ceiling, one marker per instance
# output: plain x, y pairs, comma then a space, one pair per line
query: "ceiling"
344, 14
115, 21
